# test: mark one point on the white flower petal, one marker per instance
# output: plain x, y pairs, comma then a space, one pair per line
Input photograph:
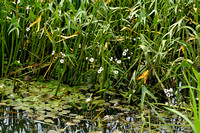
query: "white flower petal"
119, 61
116, 72
91, 59
62, 61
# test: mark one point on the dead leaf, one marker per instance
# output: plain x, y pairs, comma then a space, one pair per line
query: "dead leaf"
125, 28
106, 46
144, 76
182, 47
38, 22
67, 37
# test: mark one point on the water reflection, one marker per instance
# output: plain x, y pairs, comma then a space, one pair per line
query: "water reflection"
15, 121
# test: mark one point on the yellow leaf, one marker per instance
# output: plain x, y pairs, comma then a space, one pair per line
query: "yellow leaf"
108, 1
120, 39
144, 76
124, 28
48, 34
182, 47
38, 22
67, 37
105, 47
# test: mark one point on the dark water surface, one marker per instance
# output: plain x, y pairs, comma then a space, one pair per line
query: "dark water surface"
109, 121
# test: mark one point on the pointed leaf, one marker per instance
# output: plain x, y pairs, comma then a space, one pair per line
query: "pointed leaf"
124, 28
182, 47
144, 92
38, 22
67, 37
184, 117
144, 75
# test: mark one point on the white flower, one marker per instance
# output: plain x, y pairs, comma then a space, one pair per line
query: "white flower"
18, 61
27, 29
168, 94
91, 59
62, 61
166, 103
101, 68
99, 71
170, 90
28, 8
119, 61
116, 72
134, 39
111, 58
165, 90
130, 17
124, 53
126, 50
79, 46
116, 59
63, 55
154, 60
129, 57
18, 1
53, 52
88, 100
86, 58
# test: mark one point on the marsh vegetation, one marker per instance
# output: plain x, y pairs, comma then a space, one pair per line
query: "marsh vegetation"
89, 55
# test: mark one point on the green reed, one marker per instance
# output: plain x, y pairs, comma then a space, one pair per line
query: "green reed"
110, 43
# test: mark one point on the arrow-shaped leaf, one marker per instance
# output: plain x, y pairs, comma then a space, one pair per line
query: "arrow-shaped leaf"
144, 76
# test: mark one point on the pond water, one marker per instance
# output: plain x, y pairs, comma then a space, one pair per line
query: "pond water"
35, 109
107, 121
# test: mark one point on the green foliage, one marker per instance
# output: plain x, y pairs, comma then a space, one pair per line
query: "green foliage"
136, 47
195, 100
110, 43
144, 92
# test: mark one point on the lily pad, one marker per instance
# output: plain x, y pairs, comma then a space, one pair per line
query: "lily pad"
3, 103
48, 120
70, 124
52, 131
30, 115
79, 117
117, 131
64, 112
114, 101
76, 120
40, 118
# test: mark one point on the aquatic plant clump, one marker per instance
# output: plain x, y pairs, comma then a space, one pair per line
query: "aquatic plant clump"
127, 48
